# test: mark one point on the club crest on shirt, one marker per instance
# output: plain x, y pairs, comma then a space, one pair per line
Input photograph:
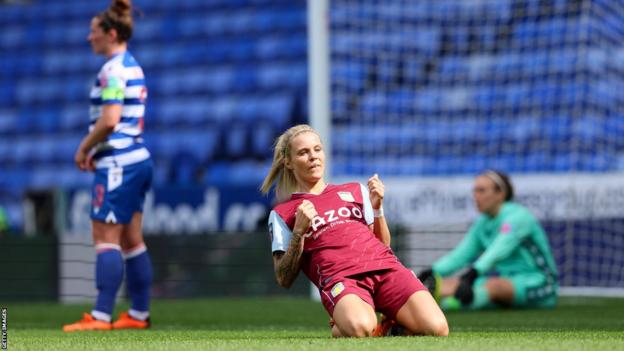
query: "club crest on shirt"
505, 228
346, 196
337, 289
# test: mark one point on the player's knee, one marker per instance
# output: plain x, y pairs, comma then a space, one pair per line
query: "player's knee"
357, 328
439, 327
433, 327
336, 332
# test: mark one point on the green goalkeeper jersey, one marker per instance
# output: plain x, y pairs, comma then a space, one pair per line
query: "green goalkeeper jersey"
510, 243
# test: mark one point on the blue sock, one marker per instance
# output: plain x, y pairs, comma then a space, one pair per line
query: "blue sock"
139, 280
108, 276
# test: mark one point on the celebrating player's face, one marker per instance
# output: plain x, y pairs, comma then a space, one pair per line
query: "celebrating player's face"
487, 198
307, 158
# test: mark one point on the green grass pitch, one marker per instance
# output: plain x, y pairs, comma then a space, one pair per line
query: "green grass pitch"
299, 324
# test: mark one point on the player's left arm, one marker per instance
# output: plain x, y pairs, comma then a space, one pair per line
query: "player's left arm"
376, 194
510, 236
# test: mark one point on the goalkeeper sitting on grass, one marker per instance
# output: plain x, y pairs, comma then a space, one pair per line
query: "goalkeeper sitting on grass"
506, 253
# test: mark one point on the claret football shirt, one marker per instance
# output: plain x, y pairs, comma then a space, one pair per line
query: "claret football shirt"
339, 241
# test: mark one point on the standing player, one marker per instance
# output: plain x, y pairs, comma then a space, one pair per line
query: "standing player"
337, 235
506, 252
114, 150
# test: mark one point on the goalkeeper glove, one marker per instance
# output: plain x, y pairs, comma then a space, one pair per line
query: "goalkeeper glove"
464, 292
432, 281
425, 274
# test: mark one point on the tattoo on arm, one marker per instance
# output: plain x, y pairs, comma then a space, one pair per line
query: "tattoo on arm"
288, 265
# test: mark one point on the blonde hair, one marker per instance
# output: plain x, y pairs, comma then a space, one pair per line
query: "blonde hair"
286, 182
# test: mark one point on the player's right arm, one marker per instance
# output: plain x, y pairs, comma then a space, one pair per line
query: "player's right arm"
464, 253
112, 87
104, 126
288, 263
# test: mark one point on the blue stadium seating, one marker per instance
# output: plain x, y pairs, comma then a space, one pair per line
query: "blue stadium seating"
225, 77
8, 121
202, 144
242, 173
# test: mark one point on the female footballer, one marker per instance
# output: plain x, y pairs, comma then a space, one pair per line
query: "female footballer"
506, 253
337, 235
113, 149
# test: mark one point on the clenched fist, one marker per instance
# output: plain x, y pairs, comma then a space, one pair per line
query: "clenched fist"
305, 213
376, 191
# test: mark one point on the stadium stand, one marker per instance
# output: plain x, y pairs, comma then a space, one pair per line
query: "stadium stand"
449, 87
230, 75
224, 78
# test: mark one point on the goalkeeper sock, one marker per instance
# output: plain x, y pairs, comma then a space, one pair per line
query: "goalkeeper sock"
108, 276
139, 280
450, 303
481, 297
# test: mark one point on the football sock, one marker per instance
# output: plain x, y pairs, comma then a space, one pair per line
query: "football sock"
450, 303
481, 297
138, 281
108, 276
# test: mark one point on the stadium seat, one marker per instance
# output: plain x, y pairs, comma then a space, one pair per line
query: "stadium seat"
28, 65
224, 109
217, 173
270, 48
202, 144
46, 150
240, 22
66, 146
8, 121
276, 108
185, 170
12, 37
276, 76
245, 173
352, 75
220, 79
147, 28
235, 139
27, 121
47, 120
536, 162
6, 147
15, 180
12, 15
263, 134
562, 163
74, 117
453, 69
557, 31
244, 79
599, 162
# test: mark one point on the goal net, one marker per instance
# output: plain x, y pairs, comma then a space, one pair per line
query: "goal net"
430, 93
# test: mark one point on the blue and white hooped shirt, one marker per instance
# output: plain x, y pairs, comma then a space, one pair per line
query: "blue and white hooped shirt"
120, 81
